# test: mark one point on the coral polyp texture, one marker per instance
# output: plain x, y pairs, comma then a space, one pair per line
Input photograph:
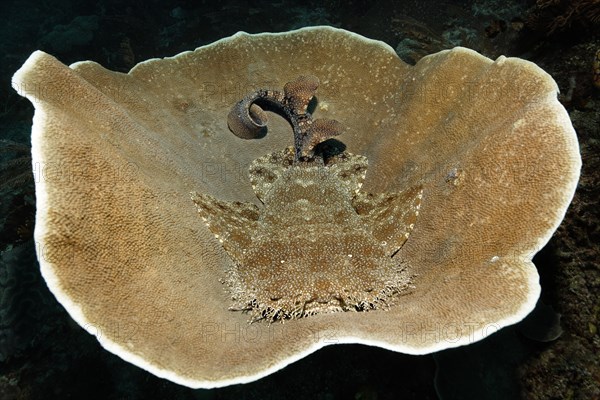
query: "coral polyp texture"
472, 164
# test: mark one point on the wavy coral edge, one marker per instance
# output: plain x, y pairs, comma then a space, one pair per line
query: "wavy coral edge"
76, 312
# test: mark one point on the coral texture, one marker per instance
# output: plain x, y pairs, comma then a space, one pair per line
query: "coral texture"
126, 254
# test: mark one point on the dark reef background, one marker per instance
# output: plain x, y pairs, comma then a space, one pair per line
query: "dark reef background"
553, 354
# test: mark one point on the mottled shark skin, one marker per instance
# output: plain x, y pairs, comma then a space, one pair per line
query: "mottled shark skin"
318, 244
